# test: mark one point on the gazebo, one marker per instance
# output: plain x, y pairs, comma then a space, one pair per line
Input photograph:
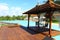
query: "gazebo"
48, 8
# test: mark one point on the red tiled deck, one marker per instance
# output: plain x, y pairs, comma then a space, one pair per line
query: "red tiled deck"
17, 33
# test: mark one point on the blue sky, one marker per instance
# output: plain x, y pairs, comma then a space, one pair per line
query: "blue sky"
16, 7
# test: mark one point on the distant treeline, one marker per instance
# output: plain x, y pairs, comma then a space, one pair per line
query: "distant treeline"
12, 18
21, 18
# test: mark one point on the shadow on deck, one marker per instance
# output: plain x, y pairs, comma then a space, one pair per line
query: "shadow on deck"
35, 30
38, 30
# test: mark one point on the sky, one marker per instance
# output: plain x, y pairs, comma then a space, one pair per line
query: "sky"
17, 7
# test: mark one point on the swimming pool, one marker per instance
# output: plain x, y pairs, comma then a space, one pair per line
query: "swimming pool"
20, 22
25, 22
56, 37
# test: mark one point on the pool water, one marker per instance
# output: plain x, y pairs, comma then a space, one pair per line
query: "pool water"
21, 22
56, 37
25, 22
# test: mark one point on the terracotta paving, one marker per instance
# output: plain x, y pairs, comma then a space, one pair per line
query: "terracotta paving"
18, 33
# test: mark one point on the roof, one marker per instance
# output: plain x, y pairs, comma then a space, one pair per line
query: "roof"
48, 6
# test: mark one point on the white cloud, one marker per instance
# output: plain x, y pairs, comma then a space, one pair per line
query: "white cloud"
6, 10
3, 7
15, 11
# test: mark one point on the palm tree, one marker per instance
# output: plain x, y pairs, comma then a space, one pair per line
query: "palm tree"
56, 1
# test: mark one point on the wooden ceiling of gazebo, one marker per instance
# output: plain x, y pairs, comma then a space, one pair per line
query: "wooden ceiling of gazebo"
48, 6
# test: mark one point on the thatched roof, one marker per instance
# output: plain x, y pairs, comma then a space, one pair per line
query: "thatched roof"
48, 6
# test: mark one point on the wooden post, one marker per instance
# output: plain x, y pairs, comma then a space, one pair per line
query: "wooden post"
28, 20
38, 19
50, 25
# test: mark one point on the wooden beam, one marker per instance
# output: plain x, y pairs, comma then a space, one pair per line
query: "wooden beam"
50, 27
51, 13
50, 0
38, 19
28, 20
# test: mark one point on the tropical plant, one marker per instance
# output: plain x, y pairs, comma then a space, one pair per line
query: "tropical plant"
12, 18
